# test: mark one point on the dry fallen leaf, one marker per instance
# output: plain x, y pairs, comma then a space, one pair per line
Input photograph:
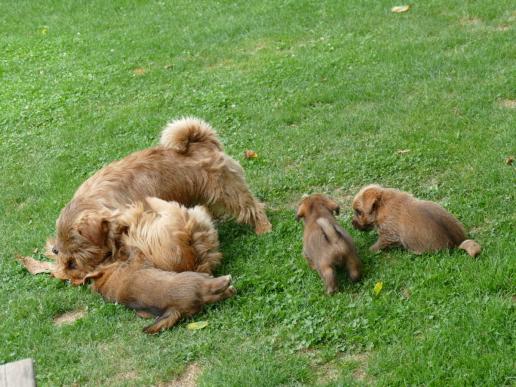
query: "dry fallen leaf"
168, 66
406, 293
250, 154
197, 325
509, 160
402, 151
139, 71
69, 317
34, 266
400, 8
378, 288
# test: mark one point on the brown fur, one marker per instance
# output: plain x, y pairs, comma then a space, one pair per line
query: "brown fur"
188, 166
171, 236
326, 244
167, 295
400, 219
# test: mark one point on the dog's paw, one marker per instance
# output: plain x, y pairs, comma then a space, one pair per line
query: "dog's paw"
263, 228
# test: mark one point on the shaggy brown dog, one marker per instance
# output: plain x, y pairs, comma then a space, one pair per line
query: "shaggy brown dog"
189, 166
326, 244
169, 296
171, 236
400, 219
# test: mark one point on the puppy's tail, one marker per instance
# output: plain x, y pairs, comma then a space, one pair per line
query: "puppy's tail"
180, 134
330, 232
471, 247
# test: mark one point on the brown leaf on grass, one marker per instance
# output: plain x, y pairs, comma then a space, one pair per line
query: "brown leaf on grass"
400, 8
509, 160
139, 71
250, 154
168, 66
69, 317
34, 266
402, 151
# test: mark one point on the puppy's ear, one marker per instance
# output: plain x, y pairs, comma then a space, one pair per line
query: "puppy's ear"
95, 275
300, 212
333, 206
371, 200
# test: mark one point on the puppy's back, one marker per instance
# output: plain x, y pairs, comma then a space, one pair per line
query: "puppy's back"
433, 228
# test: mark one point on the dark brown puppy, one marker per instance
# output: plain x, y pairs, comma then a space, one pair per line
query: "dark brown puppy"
189, 167
400, 219
326, 244
167, 295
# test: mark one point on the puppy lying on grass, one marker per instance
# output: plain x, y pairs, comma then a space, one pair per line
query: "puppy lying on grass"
400, 219
326, 244
167, 295
189, 166
171, 236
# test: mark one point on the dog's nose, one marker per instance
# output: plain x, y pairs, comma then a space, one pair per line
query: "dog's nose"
55, 251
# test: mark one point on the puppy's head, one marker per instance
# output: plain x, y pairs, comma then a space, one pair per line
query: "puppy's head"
84, 240
365, 206
316, 203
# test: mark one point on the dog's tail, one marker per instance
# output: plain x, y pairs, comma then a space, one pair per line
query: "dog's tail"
471, 247
180, 134
331, 233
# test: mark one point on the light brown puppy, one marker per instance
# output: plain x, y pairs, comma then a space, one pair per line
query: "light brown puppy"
189, 166
171, 236
400, 219
326, 244
167, 295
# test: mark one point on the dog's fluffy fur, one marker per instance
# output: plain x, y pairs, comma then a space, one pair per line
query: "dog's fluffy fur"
167, 295
326, 244
400, 219
170, 236
189, 166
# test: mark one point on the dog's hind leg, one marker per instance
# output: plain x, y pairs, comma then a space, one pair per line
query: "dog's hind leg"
165, 321
236, 198
330, 279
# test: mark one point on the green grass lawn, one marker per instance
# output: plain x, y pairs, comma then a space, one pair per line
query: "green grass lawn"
327, 93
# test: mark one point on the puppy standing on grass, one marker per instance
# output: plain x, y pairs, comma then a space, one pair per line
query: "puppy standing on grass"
167, 295
418, 225
189, 166
326, 244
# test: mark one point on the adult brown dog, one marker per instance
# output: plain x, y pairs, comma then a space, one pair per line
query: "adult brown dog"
167, 295
189, 166
400, 219
326, 244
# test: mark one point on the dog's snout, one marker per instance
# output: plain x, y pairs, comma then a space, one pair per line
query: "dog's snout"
55, 250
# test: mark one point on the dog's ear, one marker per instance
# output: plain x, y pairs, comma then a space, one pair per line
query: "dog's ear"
95, 275
333, 206
94, 228
371, 200
300, 212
